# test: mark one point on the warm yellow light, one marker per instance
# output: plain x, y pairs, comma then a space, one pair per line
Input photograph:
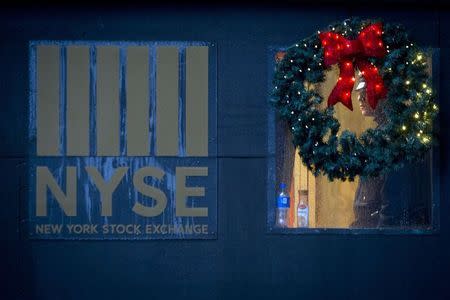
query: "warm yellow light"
425, 140
416, 115
434, 106
428, 91
407, 82
403, 127
424, 86
419, 57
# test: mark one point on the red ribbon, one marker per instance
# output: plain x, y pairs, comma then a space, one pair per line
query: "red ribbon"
347, 53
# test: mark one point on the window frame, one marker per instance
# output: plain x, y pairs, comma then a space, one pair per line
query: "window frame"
432, 229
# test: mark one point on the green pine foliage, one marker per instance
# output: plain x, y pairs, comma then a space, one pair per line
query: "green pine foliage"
409, 109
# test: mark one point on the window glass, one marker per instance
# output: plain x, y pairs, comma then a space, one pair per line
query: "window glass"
400, 201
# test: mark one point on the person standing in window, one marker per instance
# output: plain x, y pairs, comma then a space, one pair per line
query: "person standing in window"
396, 199
369, 193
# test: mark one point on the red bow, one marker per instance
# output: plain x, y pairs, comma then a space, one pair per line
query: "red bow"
338, 49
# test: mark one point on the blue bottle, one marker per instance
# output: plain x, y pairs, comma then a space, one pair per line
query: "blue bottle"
283, 204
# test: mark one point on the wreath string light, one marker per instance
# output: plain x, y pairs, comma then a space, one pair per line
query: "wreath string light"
398, 87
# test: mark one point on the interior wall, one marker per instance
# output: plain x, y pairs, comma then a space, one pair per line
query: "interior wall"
335, 199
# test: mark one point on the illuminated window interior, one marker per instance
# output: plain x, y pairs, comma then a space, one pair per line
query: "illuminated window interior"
332, 204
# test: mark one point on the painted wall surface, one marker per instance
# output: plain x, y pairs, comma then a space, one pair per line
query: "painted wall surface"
244, 262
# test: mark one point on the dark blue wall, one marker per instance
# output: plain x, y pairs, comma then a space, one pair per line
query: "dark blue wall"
244, 262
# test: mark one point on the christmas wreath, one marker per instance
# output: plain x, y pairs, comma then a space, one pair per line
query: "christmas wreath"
397, 86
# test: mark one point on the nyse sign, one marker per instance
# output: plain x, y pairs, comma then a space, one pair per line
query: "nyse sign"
122, 140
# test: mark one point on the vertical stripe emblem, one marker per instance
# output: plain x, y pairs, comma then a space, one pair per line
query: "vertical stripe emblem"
93, 101
167, 101
47, 100
77, 117
107, 102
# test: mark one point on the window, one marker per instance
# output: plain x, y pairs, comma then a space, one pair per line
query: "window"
403, 201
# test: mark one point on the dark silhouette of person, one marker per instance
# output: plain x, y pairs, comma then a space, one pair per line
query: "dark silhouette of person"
398, 199
369, 193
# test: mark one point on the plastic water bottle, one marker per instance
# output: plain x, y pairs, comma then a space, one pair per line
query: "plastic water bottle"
302, 209
283, 203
